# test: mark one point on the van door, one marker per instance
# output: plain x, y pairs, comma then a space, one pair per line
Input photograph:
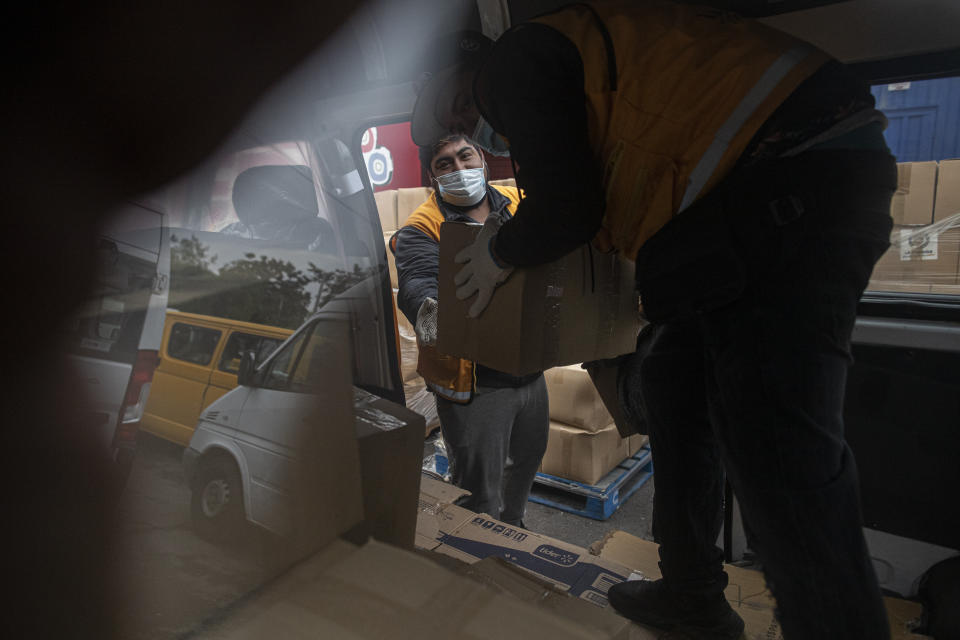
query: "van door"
181, 380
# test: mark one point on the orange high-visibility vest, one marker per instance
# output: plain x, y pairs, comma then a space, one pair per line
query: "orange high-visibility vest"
447, 376
674, 95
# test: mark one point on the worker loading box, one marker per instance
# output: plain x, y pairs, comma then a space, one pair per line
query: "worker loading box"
581, 307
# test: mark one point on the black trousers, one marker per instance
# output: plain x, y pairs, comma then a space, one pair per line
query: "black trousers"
753, 390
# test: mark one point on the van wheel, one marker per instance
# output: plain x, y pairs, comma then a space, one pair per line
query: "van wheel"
217, 502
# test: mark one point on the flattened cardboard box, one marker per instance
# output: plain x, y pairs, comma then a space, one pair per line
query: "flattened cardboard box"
574, 399
457, 532
746, 592
378, 591
579, 308
508, 578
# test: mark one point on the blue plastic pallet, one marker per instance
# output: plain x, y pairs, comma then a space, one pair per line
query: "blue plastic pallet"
597, 501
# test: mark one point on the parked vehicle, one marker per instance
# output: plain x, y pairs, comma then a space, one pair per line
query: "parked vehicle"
241, 461
115, 339
199, 360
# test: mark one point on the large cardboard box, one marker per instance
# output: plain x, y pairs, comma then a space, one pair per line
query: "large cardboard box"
583, 456
581, 307
408, 199
390, 442
387, 209
574, 400
636, 442
509, 579
409, 353
391, 262
929, 254
913, 201
889, 268
378, 591
920, 256
948, 190
898, 287
462, 534
947, 289
746, 592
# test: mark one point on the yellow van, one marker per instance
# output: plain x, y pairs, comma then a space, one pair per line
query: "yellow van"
199, 360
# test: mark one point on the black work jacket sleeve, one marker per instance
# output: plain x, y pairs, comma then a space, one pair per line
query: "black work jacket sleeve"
417, 257
530, 90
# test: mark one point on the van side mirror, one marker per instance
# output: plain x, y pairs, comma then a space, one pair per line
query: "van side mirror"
246, 370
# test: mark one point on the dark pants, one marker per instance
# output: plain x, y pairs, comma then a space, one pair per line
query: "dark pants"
755, 390
495, 445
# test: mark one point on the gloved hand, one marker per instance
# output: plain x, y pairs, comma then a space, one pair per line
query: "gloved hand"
480, 273
426, 327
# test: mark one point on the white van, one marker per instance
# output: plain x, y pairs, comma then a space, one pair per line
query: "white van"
240, 463
114, 340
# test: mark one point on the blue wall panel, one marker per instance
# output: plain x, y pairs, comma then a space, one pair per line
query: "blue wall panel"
924, 119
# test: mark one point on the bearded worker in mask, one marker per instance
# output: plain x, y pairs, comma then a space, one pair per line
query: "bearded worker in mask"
495, 425
747, 175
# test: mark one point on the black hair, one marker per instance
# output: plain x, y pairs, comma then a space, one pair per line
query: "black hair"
429, 151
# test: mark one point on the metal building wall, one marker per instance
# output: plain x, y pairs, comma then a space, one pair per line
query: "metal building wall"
924, 118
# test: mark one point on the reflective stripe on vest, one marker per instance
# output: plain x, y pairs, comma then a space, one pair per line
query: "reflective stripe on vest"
693, 88
449, 394
754, 98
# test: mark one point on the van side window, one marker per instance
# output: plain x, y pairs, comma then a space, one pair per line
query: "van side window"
193, 344
278, 376
240, 343
310, 372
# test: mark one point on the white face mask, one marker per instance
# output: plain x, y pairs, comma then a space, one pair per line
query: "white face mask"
463, 188
491, 141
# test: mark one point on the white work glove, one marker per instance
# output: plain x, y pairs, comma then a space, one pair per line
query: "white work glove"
480, 274
426, 327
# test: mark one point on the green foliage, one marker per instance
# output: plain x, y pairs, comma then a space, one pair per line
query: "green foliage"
265, 290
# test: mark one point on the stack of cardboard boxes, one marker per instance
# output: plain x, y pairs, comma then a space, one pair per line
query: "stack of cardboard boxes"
924, 256
584, 443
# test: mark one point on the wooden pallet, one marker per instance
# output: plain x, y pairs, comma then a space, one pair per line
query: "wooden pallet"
598, 501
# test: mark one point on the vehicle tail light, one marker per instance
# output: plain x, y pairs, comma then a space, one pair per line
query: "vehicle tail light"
138, 389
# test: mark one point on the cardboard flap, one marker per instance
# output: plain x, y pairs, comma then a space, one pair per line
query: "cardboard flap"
378, 591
